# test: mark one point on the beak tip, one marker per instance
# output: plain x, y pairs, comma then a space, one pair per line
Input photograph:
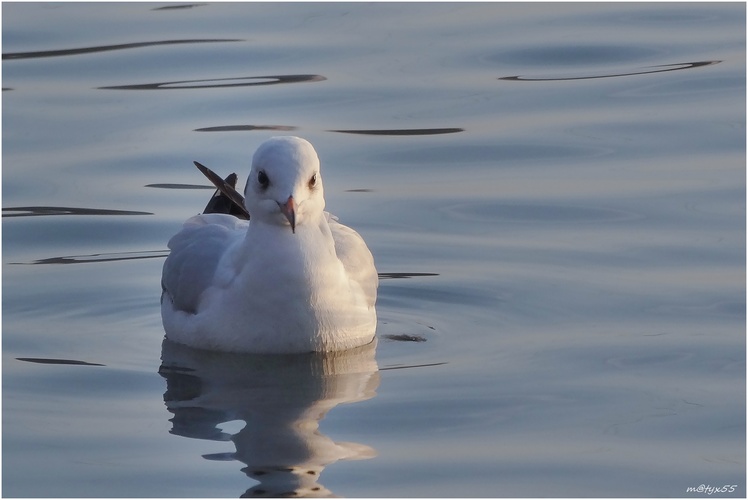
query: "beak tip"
288, 209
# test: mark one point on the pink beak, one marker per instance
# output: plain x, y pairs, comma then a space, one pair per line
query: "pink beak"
289, 210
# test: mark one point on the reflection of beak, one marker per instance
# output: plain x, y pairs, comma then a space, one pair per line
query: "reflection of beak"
289, 210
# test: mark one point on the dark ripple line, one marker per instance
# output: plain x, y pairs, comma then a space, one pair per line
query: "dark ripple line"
401, 367
104, 48
392, 276
243, 128
275, 80
55, 361
38, 211
169, 185
413, 131
100, 257
183, 6
405, 337
663, 68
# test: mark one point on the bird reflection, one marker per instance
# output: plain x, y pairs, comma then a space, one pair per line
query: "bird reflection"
280, 398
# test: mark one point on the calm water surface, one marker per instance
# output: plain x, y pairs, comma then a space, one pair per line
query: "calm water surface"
554, 195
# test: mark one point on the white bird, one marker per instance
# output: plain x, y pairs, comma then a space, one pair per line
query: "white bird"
291, 279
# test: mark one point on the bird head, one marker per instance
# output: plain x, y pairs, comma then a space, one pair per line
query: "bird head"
284, 185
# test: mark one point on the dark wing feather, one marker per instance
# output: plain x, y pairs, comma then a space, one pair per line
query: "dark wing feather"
227, 200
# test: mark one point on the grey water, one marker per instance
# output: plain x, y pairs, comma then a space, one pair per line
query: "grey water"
554, 194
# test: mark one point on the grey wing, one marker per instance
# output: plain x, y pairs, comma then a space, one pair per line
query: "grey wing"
356, 258
195, 253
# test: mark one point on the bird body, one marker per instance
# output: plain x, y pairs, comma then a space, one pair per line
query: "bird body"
291, 279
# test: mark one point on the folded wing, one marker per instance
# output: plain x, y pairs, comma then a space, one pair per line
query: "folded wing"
356, 258
195, 253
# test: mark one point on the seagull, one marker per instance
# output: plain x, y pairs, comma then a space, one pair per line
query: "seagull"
270, 271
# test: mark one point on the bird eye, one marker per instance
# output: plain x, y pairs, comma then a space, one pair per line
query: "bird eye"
262, 178
313, 180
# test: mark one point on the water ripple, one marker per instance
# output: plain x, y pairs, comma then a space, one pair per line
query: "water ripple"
181, 6
101, 257
172, 185
245, 128
56, 361
400, 367
37, 211
404, 337
383, 276
412, 131
643, 71
242, 81
104, 48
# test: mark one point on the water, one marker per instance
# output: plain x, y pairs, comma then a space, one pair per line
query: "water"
553, 193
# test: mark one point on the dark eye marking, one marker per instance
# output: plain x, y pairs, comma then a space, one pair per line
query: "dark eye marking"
262, 178
313, 181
